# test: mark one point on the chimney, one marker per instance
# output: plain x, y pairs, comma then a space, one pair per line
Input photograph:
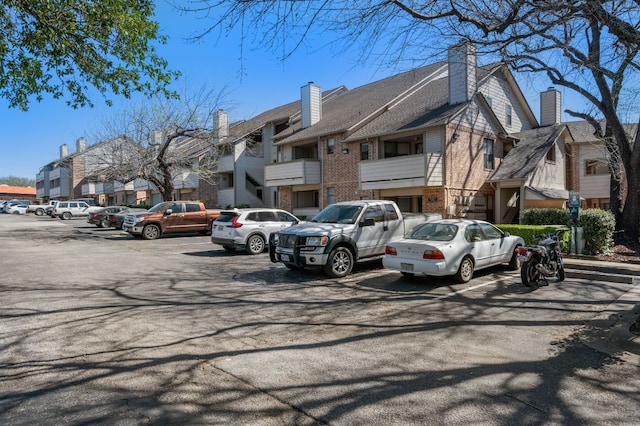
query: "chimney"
81, 145
311, 108
221, 124
463, 66
550, 105
64, 150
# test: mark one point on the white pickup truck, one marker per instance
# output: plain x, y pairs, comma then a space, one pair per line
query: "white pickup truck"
342, 234
40, 209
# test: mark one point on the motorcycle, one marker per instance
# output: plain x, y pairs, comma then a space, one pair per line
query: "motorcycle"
542, 261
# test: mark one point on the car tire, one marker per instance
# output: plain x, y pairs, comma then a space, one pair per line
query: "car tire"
514, 263
16, 212
39, 212
104, 223
465, 270
339, 263
255, 244
151, 232
65, 216
230, 249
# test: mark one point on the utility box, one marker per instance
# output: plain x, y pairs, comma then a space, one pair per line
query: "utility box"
577, 240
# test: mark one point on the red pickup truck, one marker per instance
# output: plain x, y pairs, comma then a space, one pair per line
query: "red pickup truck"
168, 217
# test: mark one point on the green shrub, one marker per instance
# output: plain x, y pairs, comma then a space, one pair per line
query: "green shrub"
598, 225
545, 217
598, 228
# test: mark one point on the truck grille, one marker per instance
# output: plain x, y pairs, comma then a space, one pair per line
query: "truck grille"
129, 220
287, 240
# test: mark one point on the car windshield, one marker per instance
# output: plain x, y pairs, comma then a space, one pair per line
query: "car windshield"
338, 214
434, 232
160, 207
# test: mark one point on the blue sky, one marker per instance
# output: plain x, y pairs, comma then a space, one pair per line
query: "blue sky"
259, 82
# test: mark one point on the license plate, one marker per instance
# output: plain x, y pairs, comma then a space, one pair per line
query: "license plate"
220, 227
285, 258
406, 267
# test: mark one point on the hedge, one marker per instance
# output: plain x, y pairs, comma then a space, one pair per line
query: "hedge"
598, 226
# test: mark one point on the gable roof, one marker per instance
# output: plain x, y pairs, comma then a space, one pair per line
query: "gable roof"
351, 107
426, 106
523, 159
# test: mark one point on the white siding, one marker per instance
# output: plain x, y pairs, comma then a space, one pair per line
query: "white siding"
551, 174
501, 95
434, 140
592, 186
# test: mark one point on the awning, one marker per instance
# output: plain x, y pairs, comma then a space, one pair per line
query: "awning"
532, 193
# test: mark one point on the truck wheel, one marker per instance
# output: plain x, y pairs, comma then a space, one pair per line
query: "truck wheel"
151, 232
465, 271
339, 263
66, 216
39, 212
255, 244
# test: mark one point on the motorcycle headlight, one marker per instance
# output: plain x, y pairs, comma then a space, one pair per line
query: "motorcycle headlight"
317, 241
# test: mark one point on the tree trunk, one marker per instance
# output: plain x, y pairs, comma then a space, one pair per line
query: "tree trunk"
629, 221
616, 195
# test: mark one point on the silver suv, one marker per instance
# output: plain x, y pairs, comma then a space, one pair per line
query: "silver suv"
249, 228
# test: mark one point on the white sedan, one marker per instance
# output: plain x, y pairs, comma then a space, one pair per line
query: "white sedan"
452, 247
17, 208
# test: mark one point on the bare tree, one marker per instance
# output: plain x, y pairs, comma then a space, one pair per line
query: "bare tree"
590, 47
158, 140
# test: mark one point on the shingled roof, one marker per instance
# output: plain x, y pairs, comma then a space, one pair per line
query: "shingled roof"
523, 159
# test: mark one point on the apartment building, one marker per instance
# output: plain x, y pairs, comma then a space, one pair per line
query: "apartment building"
432, 139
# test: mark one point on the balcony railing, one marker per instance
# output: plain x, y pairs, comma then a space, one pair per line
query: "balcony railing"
297, 172
226, 164
402, 172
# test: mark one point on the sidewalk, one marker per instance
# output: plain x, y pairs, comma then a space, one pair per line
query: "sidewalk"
615, 338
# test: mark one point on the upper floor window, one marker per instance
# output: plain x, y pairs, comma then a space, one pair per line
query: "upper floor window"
551, 154
364, 151
488, 154
596, 167
508, 115
331, 144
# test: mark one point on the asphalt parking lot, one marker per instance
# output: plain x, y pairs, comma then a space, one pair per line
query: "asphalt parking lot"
100, 327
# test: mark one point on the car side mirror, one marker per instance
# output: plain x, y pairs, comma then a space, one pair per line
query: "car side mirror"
368, 222
506, 234
168, 211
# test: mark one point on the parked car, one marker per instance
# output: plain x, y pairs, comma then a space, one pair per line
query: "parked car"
249, 228
100, 217
117, 219
18, 208
452, 247
8, 204
68, 209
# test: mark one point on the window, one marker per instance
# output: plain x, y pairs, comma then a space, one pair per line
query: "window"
488, 154
551, 154
331, 144
396, 149
473, 233
490, 231
509, 115
192, 207
391, 212
364, 151
374, 212
596, 167
177, 208
285, 217
331, 195
266, 216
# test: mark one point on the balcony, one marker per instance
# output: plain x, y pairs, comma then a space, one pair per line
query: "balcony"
402, 172
92, 188
226, 164
297, 172
186, 180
